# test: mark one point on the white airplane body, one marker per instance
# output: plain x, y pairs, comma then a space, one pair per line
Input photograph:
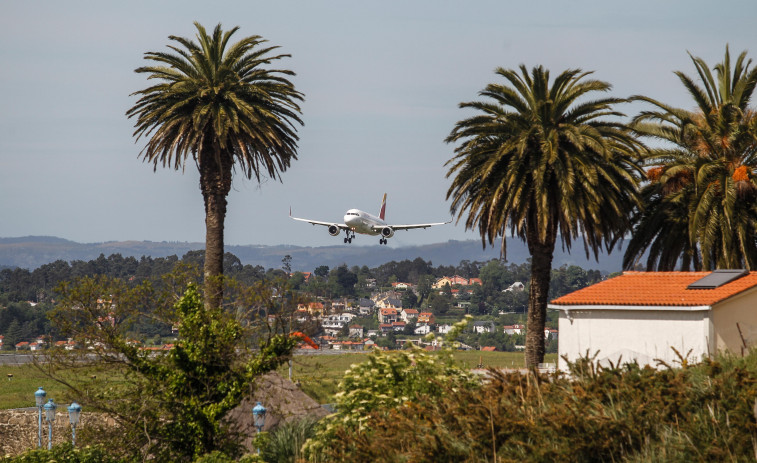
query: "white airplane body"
357, 221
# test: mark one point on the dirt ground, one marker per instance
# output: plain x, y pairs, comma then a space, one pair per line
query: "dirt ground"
282, 398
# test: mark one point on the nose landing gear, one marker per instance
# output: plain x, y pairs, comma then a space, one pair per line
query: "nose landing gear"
349, 237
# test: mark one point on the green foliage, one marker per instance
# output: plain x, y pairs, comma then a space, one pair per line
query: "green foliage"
66, 453
700, 203
547, 160
284, 444
623, 414
219, 457
172, 404
385, 381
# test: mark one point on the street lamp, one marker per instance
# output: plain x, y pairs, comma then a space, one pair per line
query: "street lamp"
50, 415
39, 396
258, 417
74, 411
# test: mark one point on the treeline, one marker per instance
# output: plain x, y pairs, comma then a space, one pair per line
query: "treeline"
38, 285
27, 296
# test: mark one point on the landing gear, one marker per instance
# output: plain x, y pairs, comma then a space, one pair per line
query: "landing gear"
382, 241
349, 237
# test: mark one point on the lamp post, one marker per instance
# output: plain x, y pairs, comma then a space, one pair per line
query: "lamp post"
74, 411
39, 396
258, 417
50, 415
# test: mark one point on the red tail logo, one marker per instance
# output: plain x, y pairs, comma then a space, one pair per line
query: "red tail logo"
383, 208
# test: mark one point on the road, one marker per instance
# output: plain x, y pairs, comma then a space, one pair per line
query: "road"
15, 359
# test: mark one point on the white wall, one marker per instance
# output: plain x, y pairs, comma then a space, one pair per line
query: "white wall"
644, 335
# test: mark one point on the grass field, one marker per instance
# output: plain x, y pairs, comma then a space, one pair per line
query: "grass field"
18, 391
318, 375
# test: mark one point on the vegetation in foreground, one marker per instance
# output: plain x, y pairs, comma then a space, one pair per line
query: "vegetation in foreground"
679, 413
167, 405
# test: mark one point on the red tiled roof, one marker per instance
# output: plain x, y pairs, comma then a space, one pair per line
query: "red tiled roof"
656, 289
489, 348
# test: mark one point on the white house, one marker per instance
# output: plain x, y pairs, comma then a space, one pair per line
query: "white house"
356, 331
643, 316
514, 329
337, 321
483, 327
515, 287
423, 329
444, 329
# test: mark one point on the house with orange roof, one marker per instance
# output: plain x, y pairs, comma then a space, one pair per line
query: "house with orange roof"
408, 314
648, 316
388, 315
455, 280
426, 318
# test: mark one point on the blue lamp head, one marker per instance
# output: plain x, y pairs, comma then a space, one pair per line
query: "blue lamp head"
39, 396
74, 411
50, 410
258, 415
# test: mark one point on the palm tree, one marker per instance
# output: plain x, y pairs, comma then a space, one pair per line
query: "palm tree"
218, 104
540, 162
701, 198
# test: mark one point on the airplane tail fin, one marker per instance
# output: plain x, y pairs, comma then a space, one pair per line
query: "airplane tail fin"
383, 208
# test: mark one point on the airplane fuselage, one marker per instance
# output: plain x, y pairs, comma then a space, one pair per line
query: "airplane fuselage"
357, 221
363, 222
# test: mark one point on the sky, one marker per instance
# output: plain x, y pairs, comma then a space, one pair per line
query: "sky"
382, 84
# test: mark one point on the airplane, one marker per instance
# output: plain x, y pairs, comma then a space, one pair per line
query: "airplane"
357, 221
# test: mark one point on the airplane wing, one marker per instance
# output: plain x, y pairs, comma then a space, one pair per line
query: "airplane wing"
411, 226
318, 222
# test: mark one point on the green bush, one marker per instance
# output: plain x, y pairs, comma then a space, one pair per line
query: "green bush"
284, 444
699, 413
65, 453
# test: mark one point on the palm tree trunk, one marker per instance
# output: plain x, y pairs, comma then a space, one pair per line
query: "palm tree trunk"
215, 183
541, 270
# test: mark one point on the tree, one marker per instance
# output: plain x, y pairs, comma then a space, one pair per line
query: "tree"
286, 264
218, 103
171, 403
13, 335
409, 300
545, 161
700, 204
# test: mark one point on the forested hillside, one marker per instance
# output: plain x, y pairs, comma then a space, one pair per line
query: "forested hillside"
32, 252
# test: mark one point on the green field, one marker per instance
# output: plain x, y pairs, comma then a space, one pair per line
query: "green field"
18, 391
318, 375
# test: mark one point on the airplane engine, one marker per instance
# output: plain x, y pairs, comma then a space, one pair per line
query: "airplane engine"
387, 232
333, 230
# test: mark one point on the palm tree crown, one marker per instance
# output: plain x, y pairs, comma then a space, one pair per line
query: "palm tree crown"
546, 162
701, 199
215, 98
219, 104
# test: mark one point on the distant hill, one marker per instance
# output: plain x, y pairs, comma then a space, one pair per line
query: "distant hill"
33, 251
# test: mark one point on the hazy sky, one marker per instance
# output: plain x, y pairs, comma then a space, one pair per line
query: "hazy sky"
382, 82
